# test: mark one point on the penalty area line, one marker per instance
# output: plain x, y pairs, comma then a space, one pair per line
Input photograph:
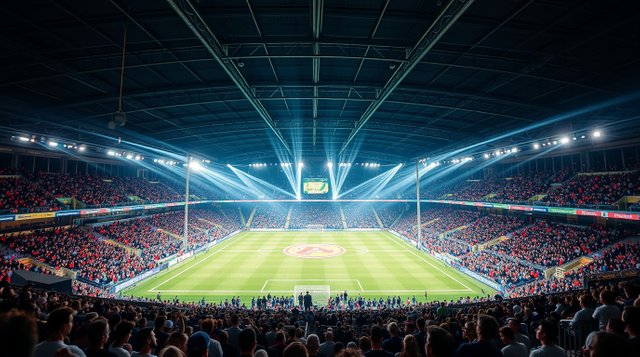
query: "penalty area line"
394, 240
233, 241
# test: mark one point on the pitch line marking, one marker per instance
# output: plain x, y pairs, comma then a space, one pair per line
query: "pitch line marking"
235, 291
191, 267
265, 285
428, 262
360, 285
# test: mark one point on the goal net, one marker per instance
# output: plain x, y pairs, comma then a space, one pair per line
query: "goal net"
315, 227
320, 294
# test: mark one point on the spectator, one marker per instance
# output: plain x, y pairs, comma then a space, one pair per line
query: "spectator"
547, 334
439, 342
512, 348
487, 329
198, 345
59, 325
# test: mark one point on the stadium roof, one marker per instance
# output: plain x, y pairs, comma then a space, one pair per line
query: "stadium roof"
385, 80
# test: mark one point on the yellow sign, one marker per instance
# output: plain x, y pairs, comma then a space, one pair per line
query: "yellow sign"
36, 215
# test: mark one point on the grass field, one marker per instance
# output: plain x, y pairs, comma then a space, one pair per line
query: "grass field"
371, 264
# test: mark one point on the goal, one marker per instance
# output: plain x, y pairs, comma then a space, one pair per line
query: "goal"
315, 227
320, 294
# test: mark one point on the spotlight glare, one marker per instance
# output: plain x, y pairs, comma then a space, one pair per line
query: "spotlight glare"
564, 140
111, 153
130, 156
301, 164
582, 136
53, 144
536, 146
515, 149
497, 152
23, 138
596, 134
486, 156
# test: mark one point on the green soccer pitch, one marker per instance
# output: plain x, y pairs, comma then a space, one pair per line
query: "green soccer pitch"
371, 264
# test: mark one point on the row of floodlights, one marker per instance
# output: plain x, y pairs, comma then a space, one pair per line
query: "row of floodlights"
52, 143
126, 155
565, 140
329, 164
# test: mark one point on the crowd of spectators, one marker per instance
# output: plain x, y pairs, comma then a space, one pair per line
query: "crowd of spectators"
595, 189
33, 322
552, 244
359, 216
487, 228
79, 250
388, 214
307, 214
39, 191
499, 269
522, 187
618, 257
269, 216
137, 233
22, 194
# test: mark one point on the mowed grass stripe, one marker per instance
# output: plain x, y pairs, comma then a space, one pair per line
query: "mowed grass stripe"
384, 265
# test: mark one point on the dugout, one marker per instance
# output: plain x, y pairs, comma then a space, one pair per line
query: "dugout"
41, 281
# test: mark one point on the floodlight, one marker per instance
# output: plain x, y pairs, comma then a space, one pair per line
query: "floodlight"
111, 153
486, 156
130, 156
582, 136
497, 152
53, 143
536, 146
329, 164
564, 140
195, 165
229, 165
515, 149
574, 138
138, 157
300, 164
596, 134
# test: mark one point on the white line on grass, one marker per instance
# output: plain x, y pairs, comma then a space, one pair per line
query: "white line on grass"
235, 291
393, 239
264, 286
360, 285
191, 267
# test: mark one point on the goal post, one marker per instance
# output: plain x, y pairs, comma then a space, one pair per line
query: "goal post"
315, 227
320, 294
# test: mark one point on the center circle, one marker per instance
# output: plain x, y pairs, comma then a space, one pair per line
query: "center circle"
314, 250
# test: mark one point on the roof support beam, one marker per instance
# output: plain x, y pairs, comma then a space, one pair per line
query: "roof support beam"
317, 8
449, 15
188, 13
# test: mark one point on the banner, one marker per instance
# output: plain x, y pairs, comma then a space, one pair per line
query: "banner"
38, 215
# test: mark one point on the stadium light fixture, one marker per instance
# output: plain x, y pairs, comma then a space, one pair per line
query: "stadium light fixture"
497, 153
515, 149
111, 153
329, 164
597, 134
536, 146
564, 140
53, 143
23, 139
301, 164
486, 156
195, 165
